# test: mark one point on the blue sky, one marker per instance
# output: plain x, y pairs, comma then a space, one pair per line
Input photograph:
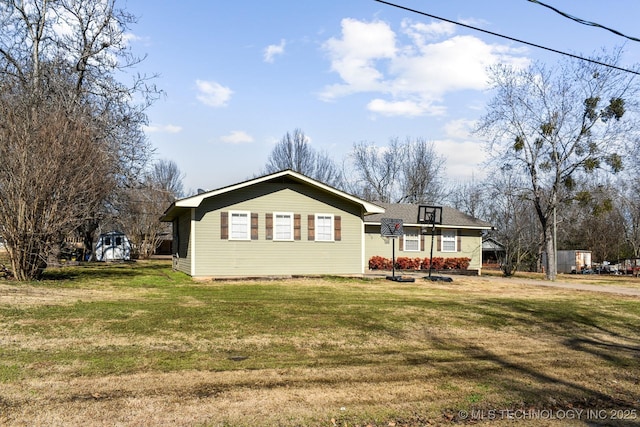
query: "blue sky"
240, 74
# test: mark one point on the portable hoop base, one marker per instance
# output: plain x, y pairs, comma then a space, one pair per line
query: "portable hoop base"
439, 278
401, 279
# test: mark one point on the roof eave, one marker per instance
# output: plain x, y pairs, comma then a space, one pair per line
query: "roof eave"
466, 227
195, 201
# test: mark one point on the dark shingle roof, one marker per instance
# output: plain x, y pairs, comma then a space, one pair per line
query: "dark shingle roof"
408, 213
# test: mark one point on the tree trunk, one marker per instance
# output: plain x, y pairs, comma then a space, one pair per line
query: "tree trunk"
550, 271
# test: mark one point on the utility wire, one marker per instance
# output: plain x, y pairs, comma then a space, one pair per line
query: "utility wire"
582, 21
509, 38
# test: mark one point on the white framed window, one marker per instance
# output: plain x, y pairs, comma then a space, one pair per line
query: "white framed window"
449, 241
324, 227
411, 243
239, 225
283, 226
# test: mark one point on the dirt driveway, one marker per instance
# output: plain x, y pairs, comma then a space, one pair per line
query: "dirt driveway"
611, 289
559, 283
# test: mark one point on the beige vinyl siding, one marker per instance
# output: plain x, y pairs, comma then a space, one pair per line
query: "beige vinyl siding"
375, 244
471, 246
183, 246
262, 257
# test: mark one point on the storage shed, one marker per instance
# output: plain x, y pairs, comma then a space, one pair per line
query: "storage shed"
113, 246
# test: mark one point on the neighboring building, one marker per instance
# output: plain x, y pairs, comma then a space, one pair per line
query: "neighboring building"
459, 235
286, 224
279, 224
493, 252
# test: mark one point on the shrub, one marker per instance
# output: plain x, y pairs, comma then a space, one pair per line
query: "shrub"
406, 263
379, 263
437, 263
446, 263
450, 263
463, 263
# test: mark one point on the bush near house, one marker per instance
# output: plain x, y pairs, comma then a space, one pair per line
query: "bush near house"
406, 263
379, 263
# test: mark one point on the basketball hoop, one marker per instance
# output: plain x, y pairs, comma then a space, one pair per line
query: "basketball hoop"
391, 227
431, 215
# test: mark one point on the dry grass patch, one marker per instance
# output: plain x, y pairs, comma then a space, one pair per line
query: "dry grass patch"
143, 346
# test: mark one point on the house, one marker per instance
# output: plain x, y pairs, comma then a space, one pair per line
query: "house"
280, 224
286, 224
458, 235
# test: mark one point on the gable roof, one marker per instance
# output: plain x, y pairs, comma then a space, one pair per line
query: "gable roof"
408, 213
491, 244
195, 201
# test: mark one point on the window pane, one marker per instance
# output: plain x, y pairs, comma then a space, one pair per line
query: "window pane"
283, 227
448, 241
239, 226
411, 243
324, 229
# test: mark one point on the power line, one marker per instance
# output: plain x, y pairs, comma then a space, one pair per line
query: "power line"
508, 37
584, 22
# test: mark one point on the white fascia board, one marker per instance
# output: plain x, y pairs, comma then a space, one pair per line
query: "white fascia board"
195, 201
465, 227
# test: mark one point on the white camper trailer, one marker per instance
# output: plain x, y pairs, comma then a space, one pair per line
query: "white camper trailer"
113, 246
572, 261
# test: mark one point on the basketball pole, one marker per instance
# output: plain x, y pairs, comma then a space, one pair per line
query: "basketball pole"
393, 257
433, 232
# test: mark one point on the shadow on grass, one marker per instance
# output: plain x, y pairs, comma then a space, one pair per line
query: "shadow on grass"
583, 331
535, 390
87, 271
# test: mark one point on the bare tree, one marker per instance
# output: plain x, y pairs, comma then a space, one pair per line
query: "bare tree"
629, 208
550, 124
593, 220
166, 175
421, 178
376, 170
409, 172
515, 225
58, 66
50, 173
294, 152
141, 207
470, 198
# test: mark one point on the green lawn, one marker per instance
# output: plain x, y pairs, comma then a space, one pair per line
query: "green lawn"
287, 352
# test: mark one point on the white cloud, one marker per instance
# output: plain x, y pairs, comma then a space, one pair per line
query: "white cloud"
237, 137
465, 152
410, 72
464, 158
213, 94
130, 37
421, 32
162, 129
459, 129
272, 50
402, 108
354, 56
